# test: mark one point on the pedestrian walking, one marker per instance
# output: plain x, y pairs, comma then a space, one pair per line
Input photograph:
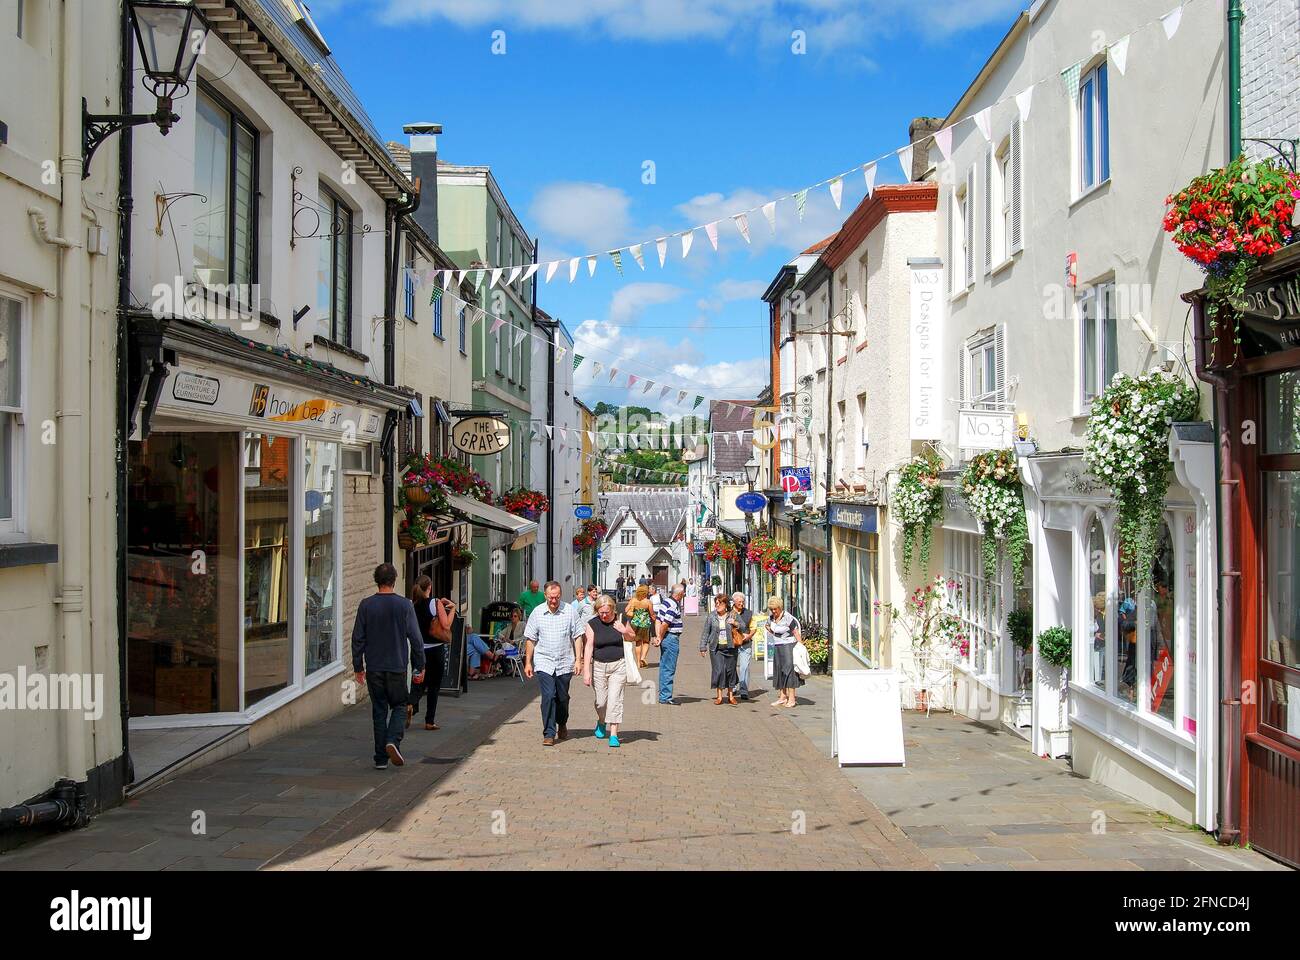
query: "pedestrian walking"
531, 599
782, 634
669, 617
385, 641
550, 654
745, 651
719, 641
435, 618
605, 667
619, 584
640, 616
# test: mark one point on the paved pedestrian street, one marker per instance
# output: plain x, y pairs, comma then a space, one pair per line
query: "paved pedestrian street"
694, 786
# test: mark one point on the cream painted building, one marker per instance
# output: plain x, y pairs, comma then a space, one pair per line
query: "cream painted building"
1058, 275
59, 499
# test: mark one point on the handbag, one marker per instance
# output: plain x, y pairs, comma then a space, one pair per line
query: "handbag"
802, 665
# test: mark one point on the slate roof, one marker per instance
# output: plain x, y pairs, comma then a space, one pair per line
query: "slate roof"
330, 71
660, 512
730, 457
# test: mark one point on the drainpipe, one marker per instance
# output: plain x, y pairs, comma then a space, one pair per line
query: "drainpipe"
124, 205
393, 213
1235, 18
74, 507
830, 442
550, 418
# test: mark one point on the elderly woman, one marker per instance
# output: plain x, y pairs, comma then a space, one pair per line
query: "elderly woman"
720, 638
782, 634
604, 666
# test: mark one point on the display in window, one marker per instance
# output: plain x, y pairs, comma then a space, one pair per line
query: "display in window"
268, 555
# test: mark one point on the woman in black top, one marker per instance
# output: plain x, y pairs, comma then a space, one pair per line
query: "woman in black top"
604, 666
435, 618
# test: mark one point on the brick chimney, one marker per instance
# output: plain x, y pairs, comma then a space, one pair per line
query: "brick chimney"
921, 133
424, 164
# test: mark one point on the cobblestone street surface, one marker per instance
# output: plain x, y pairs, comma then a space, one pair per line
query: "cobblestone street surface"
693, 786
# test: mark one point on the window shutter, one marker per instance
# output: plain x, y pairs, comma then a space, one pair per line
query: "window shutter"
962, 361
1017, 242
1000, 361
954, 266
970, 226
988, 210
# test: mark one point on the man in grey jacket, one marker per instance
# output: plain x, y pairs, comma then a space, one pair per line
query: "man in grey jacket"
385, 639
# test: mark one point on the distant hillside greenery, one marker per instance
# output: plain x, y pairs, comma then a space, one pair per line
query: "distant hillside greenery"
669, 462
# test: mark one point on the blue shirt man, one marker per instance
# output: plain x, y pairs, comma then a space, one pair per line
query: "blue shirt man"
669, 613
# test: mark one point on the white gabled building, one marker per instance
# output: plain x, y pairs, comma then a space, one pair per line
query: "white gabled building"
646, 535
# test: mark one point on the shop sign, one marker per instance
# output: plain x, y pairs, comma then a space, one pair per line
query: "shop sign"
583, 511
861, 517
1270, 315
751, 502
210, 391
705, 535
926, 350
794, 479
984, 429
481, 436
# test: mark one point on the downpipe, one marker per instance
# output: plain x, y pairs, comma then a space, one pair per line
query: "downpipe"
66, 808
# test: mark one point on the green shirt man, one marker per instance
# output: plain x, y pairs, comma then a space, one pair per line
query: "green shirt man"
531, 598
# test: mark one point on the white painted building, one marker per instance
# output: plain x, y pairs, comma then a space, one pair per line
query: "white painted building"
646, 536
562, 446
1082, 183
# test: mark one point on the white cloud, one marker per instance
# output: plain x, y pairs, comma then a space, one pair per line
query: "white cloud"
629, 301
591, 215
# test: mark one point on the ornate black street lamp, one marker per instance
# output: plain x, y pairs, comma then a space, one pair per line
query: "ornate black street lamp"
170, 35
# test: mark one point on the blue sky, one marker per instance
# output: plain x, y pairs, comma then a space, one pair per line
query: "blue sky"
713, 93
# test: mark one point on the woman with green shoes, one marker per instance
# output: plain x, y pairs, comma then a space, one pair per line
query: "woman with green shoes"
604, 666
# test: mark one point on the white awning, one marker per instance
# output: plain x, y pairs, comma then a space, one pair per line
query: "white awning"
482, 514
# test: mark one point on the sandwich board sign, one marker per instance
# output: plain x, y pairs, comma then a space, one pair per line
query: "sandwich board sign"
867, 718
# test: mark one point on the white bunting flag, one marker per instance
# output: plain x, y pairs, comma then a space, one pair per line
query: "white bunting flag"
640, 257
662, 246
769, 211
800, 202
528, 274
519, 337
681, 394
905, 161
595, 369
711, 230
548, 429
559, 353
648, 385
613, 372
591, 438
869, 172
664, 392
460, 277
551, 268
943, 140
1025, 99
496, 277
742, 224
982, 120
591, 266
1171, 20
573, 268
740, 436
496, 326
837, 191
514, 274
1119, 54
688, 238
1070, 77
537, 345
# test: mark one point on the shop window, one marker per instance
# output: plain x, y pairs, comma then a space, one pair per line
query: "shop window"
225, 174
334, 276
183, 574
1126, 633
268, 556
12, 386
1093, 118
1281, 405
1099, 619
497, 577
321, 516
1161, 606
980, 605
861, 575
1098, 341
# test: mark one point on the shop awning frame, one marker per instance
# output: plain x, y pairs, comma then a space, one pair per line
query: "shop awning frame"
522, 532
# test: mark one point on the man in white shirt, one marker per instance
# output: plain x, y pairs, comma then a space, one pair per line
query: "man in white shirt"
551, 654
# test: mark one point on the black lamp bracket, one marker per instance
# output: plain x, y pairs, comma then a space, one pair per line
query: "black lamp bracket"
98, 127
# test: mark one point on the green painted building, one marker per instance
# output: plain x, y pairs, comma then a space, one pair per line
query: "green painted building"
477, 229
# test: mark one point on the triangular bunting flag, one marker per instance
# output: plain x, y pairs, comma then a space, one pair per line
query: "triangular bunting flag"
648, 385
548, 429
613, 372
740, 436
662, 246
573, 268
905, 161
869, 172
519, 337
496, 277
636, 252
688, 238
1119, 54
1025, 99
1171, 20
537, 345
742, 224
591, 266
595, 368
698, 401
460, 277
769, 211
982, 120
837, 191
560, 352
577, 360
551, 268
801, 201
664, 392
1070, 77
681, 394
631, 380
497, 325
528, 274
943, 140
711, 229
514, 274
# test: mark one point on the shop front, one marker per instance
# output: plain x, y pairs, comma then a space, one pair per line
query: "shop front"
1135, 706
1257, 405
859, 641
499, 537
254, 521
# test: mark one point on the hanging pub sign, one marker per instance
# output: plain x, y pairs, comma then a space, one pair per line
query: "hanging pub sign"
481, 436
1270, 315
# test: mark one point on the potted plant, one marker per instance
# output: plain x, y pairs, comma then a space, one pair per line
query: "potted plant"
1054, 646
462, 556
819, 649
935, 635
1020, 629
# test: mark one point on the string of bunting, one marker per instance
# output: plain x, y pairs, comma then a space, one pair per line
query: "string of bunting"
1117, 53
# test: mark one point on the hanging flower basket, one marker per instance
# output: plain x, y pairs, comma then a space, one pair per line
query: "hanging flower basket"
590, 534
462, 557
529, 504
991, 483
1226, 222
417, 494
917, 503
721, 550
1128, 449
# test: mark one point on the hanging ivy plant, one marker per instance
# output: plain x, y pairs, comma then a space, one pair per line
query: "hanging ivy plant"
1128, 449
991, 483
918, 505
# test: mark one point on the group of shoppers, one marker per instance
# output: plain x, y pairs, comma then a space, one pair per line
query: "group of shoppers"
586, 636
